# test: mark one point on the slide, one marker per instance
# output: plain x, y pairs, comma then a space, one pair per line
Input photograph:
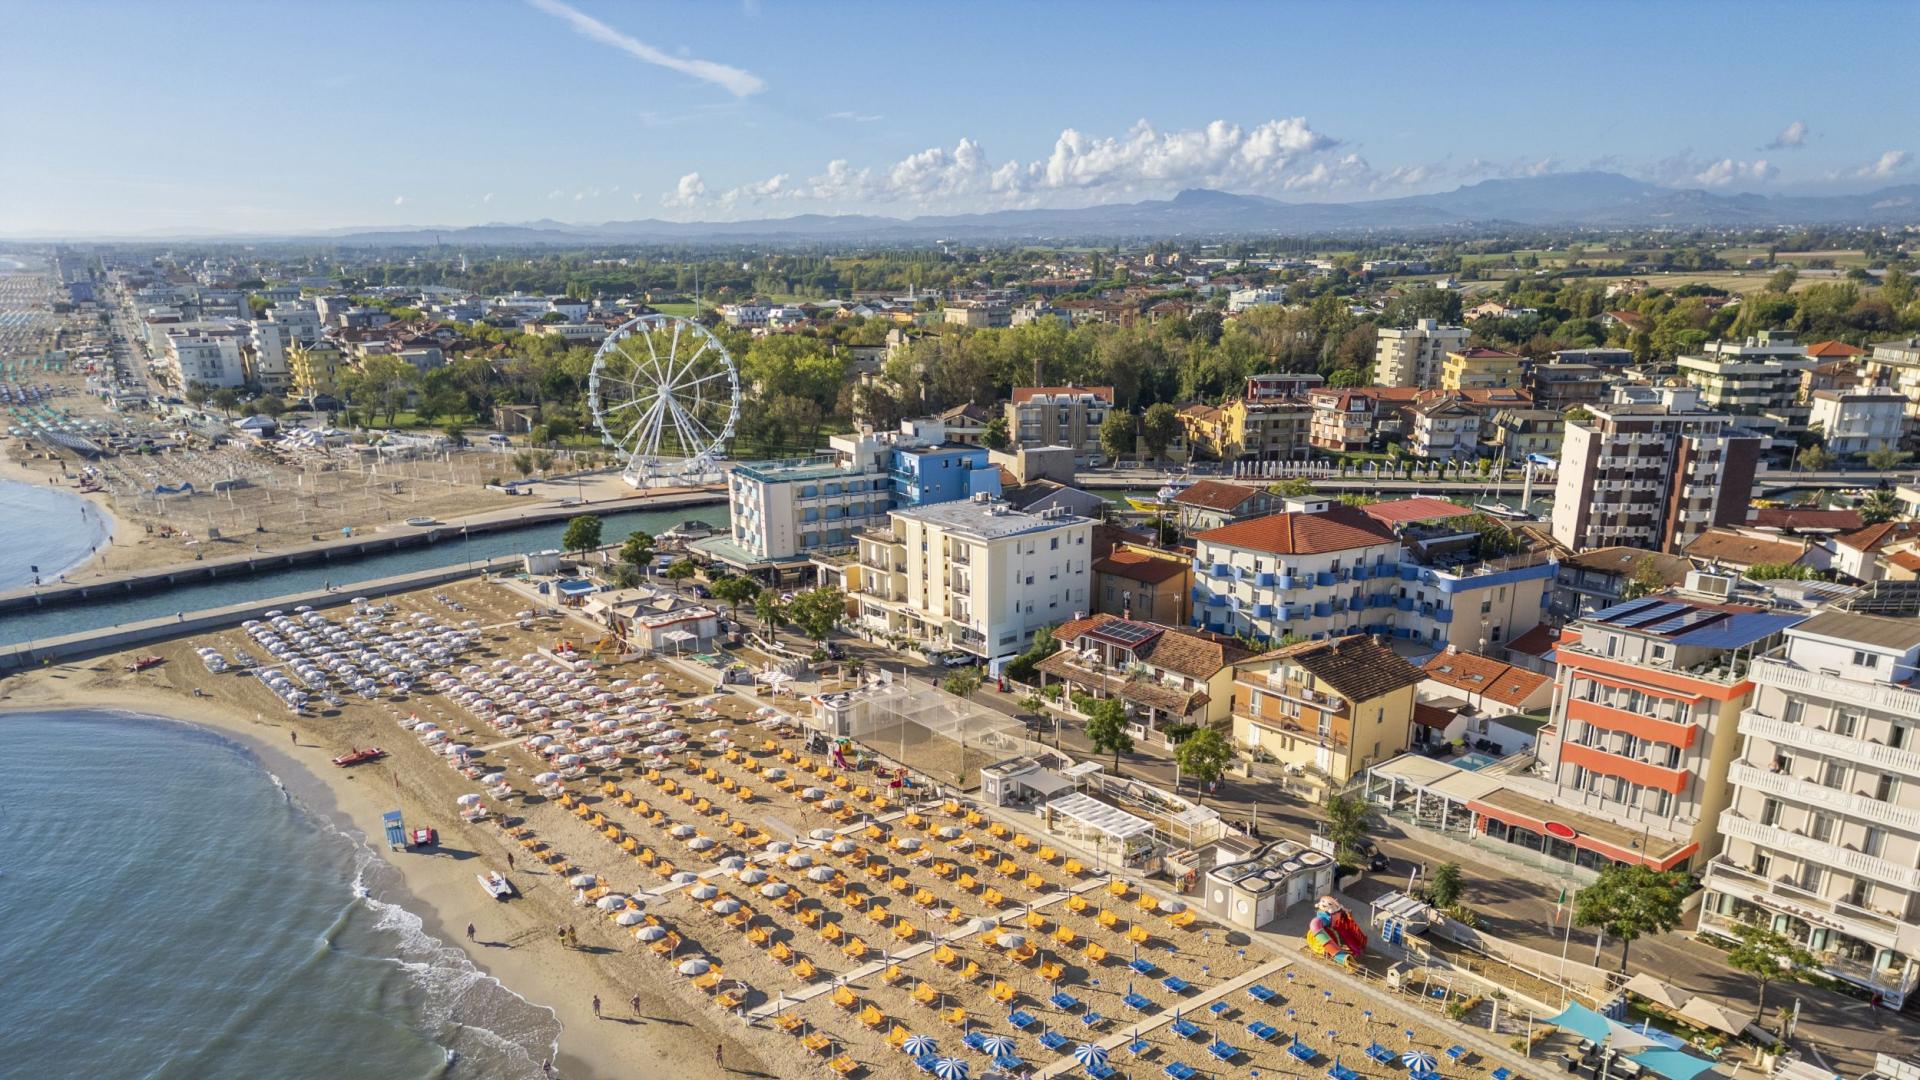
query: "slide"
1332, 933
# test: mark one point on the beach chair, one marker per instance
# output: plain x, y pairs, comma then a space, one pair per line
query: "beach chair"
708, 982
1099, 1071
1455, 1053
880, 802
1046, 854
1023, 842
1378, 1054
1147, 904
759, 936
845, 997
899, 884
955, 1016
831, 933
805, 970
809, 917
1301, 1052
1035, 882
966, 881
970, 971
898, 1037
1140, 965
877, 914
1176, 984
843, 1065
759, 840
1182, 919
1184, 1028
1095, 952
781, 952
1226, 1051
666, 945
945, 956
854, 900
1053, 1040
956, 916
703, 806
1107, 918
1064, 1001
1118, 887
984, 855
943, 870
924, 994
878, 870
817, 1044
973, 817
1138, 934
1065, 935
1024, 953
1021, 1020
1077, 904
646, 857
857, 855
905, 931
925, 898
728, 1000
1137, 1001
872, 1017
1052, 970
1073, 868
992, 897
739, 919
787, 901
1260, 993
1262, 1030
1008, 868
914, 820
998, 831
790, 1023
1001, 992
951, 807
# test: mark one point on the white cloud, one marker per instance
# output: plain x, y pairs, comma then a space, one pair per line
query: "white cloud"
1217, 154
399, 200
1727, 171
487, 198
1791, 137
1883, 166
855, 117
735, 81
687, 193
639, 195
556, 193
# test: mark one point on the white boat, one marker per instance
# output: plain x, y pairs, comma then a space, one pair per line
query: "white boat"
496, 884
688, 530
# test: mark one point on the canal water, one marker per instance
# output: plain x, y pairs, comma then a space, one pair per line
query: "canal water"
30, 624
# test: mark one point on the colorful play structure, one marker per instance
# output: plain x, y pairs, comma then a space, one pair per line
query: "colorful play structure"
1332, 933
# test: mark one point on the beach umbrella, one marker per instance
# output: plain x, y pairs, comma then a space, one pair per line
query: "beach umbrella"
779, 847
1419, 1061
753, 875
684, 877
841, 847
950, 832
813, 793
909, 843
704, 891
779, 774
1091, 1056
629, 918
732, 862
821, 834
694, 966
1012, 941
611, 902
820, 873
996, 1046
832, 804
469, 799
947, 1068
774, 890
726, 907
681, 832
582, 881
919, 1046
650, 933
1173, 907
799, 860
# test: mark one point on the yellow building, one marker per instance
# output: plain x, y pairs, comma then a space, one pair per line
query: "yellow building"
1262, 431
316, 369
1335, 706
1480, 369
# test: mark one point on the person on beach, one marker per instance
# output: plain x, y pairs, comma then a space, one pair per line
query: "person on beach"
509, 860
719, 1056
470, 932
634, 1002
596, 1006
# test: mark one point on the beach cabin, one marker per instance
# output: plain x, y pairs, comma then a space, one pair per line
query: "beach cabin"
1255, 892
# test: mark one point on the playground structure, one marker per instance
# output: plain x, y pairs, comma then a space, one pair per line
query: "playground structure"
1333, 934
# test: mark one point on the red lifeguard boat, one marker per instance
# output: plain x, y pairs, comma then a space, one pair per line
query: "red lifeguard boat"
360, 757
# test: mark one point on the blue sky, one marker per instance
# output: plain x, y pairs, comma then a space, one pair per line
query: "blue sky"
151, 117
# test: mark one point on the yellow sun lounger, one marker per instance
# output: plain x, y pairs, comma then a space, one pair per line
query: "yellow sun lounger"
845, 998
956, 916
1138, 934
872, 1017
1107, 919
1065, 935
1095, 951
1051, 970
925, 995
1046, 854
1077, 904
1024, 953
728, 1000
973, 817
992, 896
708, 981
759, 936
781, 952
1034, 882
1022, 842
873, 832
809, 917
1147, 904
878, 914
998, 830
945, 956
1008, 868
967, 882
1118, 887
905, 931
925, 898
1182, 919
915, 821
817, 1043
956, 1016
805, 970
790, 1023
1073, 868
971, 971
899, 884
1001, 992
943, 870
898, 1037
1036, 921
855, 949
843, 1065
832, 932
984, 855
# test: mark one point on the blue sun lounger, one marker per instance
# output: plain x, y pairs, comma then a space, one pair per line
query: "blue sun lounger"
1219, 1008
1180, 1071
1184, 1028
1137, 1002
1341, 1072
1456, 1052
925, 1062
1101, 1072
1503, 1073
1260, 993
1380, 1054
1138, 1047
1008, 1063
1176, 984
1091, 1018
974, 1039
1064, 1001
1262, 1030
1021, 1020
1223, 1050
1053, 1040
1142, 966
1303, 1053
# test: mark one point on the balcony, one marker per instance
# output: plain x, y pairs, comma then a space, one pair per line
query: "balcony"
1806, 792
1807, 737
1836, 856
1633, 770
1639, 725
1875, 695
1784, 896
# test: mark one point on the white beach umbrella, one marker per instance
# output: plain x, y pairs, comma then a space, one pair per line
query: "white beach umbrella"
820, 873
694, 966
583, 881
821, 834
799, 860
547, 778
703, 891
681, 832
832, 804
732, 862
773, 890
611, 902
813, 793
843, 846
700, 843
684, 877
753, 875
469, 799
779, 847
726, 907
650, 933
630, 918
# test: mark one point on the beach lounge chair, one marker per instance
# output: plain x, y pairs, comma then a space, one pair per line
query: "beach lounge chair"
1137, 1001
1073, 868
1077, 904
971, 970
1020, 1020
1118, 887
1341, 1072
924, 994
843, 1065
1046, 854
1379, 1054
1099, 1071
1455, 1053
1095, 952
856, 901
787, 901
892, 974
1138, 934
975, 1040
1262, 1030
872, 1017
1184, 1028
878, 870
738, 828
1503, 1073
925, 898
1052, 970
1001, 992
1147, 904
666, 945
984, 855
992, 897
790, 1023
745, 794
998, 830
1007, 868
956, 916
1023, 842
905, 930
1024, 953
1180, 1071
943, 870
955, 1016
1219, 1008
1107, 919
831, 932
728, 1000
809, 917
898, 1037
1064, 1001
1183, 919
1302, 1052
817, 1044
709, 982
1262, 994
945, 956
878, 914
914, 820
872, 832
1140, 965
759, 936
1036, 921
974, 817
1065, 935
967, 882
782, 952
1226, 1051
1176, 984
1053, 1040
1035, 882
805, 970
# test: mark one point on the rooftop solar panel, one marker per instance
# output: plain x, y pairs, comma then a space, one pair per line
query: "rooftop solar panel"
1617, 610
1684, 622
1125, 632
1648, 615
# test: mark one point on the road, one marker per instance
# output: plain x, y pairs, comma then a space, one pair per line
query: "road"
1096, 479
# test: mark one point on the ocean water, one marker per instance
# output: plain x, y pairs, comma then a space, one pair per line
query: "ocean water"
44, 526
169, 911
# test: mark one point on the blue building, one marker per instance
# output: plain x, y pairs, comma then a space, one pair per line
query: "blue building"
927, 473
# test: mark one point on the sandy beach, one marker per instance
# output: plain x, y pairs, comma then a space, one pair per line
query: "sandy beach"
878, 921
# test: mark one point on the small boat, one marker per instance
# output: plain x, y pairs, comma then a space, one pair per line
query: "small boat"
1502, 510
142, 663
421, 522
688, 530
360, 757
496, 884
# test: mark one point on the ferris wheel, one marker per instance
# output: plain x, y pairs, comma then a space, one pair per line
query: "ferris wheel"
666, 393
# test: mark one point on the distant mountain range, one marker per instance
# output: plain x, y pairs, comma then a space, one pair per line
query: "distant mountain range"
1585, 199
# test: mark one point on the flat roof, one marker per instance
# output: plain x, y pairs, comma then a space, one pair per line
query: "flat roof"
973, 519
1882, 630
1109, 819
1659, 848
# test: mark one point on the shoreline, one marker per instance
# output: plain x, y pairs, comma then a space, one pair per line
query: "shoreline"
116, 528
436, 888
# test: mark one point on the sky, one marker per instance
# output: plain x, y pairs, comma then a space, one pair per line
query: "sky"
209, 116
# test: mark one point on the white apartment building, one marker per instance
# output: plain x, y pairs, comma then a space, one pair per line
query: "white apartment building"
1757, 378
301, 320
1240, 300
1822, 833
1413, 356
1857, 422
1445, 429
208, 354
266, 356
975, 575
782, 510
978, 314
1897, 364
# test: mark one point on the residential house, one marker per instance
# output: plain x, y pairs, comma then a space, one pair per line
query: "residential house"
1209, 504
1517, 433
1334, 707
1342, 420
1730, 550
1165, 675
1862, 555
1856, 422
1602, 577
977, 314
1281, 386
1444, 428
1134, 581
1039, 496
1482, 369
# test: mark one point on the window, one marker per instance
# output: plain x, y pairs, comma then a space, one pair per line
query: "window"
1846, 722
1873, 841
1820, 826
1770, 812
1053, 543
1833, 774
1887, 788
1865, 659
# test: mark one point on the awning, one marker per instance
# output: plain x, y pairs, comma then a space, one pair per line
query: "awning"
1045, 781
577, 588
679, 636
1710, 1013
1414, 770
1656, 991
1583, 1022
1089, 811
1672, 1064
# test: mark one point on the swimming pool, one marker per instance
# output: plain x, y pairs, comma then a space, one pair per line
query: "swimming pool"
1473, 761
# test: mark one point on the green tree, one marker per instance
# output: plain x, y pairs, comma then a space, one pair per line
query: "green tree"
226, 397
1767, 955
1203, 755
270, 405
1496, 540
624, 575
1645, 579
771, 610
385, 382
735, 590
1880, 505
1779, 572
1885, 459
994, 435
963, 682
637, 549
1576, 414
682, 570
582, 535
1107, 729
1781, 281
1443, 889
523, 463
1158, 428
1349, 819
817, 611
543, 460
1116, 434
1347, 379
196, 394
1813, 459
1629, 902
1293, 487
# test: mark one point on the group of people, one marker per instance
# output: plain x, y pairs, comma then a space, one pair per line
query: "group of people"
568, 937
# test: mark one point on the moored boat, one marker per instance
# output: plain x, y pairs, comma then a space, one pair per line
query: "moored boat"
360, 756
496, 884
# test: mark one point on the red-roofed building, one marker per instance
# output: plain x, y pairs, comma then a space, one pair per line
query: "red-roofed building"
1135, 582
1488, 686
1834, 350
1210, 504
1418, 508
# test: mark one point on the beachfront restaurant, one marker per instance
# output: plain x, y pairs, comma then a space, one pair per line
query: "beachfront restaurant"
1021, 782
1117, 838
1427, 792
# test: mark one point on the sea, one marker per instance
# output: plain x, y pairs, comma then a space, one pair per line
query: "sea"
169, 910
45, 531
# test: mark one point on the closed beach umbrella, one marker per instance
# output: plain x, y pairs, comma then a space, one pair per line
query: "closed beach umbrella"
629, 918
684, 877
996, 1046
650, 933
799, 860
582, 881
947, 1068
919, 1046
774, 890
753, 875
705, 892
726, 907
820, 873
694, 966
1091, 1056
1419, 1061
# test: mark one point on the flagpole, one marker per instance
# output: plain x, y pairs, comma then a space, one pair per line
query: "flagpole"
1565, 944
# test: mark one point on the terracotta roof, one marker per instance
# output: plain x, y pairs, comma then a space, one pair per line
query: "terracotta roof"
1541, 640
1419, 508
1027, 393
1628, 318
1338, 528
1432, 716
1906, 560
1185, 652
1134, 566
1834, 348
1073, 628
1876, 537
1487, 677
1357, 667
1622, 560
1734, 549
1201, 412
1216, 495
1795, 517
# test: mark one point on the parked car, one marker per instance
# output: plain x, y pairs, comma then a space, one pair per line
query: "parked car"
957, 659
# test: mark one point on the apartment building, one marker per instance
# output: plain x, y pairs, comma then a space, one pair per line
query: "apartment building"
204, 353
1342, 420
1652, 469
1821, 837
974, 575
315, 369
1281, 386
1138, 582
1516, 433
266, 355
1209, 504
1757, 379
1163, 675
1444, 428
1335, 707
1413, 356
1897, 364
1560, 386
1481, 369
1270, 430
977, 314
1067, 416
1633, 767
1858, 421
1240, 300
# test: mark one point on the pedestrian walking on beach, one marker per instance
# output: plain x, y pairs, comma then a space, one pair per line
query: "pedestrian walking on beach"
719, 1056
546, 1067
509, 860
635, 1003
596, 1006
470, 932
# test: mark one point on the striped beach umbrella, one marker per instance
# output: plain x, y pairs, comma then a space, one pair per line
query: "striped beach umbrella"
1419, 1061
919, 1046
947, 1068
996, 1046
1093, 1057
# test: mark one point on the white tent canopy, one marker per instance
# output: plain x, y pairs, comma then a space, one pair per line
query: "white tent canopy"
1091, 812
